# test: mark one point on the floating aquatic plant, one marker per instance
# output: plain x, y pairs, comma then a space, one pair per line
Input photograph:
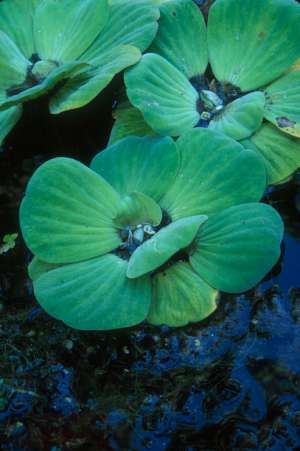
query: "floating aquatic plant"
150, 231
8, 242
233, 75
80, 43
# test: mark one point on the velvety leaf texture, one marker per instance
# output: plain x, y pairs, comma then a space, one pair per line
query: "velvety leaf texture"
214, 174
180, 296
94, 294
134, 164
283, 103
64, 29
236, 248
252, 42
280, 151
163, 94
242, 117
137, 208
181, 37
67, 213
16, 20
129, 121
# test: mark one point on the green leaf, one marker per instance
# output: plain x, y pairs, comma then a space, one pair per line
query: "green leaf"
10, 238
166, 242
58, 74
283, 103
131, 23
147, 165
94, 294
64, 29
241, 117
8, 119
181, 37
180, 296
67, 213
164, 95
16, 20
129, 121
85, 86
252, 42
236, 248
137, 208
281, 152
13, 65
216, 172
37, 267
8, 242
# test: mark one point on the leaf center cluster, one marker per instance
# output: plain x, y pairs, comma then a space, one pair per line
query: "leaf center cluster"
213, 97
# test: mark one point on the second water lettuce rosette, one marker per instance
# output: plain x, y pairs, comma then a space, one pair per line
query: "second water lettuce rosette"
77, 44
231, 75
151, 231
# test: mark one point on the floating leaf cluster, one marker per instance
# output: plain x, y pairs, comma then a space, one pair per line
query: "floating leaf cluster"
234, 75
75, 45
150, 231
168, 215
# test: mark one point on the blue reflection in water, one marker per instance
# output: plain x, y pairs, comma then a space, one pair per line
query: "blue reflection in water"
290, 273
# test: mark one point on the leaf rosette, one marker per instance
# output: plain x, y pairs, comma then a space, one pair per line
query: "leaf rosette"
233, 75
80, 45
151, 231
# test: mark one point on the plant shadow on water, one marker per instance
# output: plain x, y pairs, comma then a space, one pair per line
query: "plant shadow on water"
228, 383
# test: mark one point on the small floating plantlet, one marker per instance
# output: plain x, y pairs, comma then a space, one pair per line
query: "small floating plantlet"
233, 75
151, 231
77, 44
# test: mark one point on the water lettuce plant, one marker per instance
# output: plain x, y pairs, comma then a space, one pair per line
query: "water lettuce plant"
232, 75
77, 45
151, 231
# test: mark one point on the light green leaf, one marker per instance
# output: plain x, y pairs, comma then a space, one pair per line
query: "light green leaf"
281, 152
13, 65
67, 213
181, 37
16, 20
138, 164
94, 294
37, 267
8, 119
240, 118
216, 172
236, 248
58, 74
131, 23
283, 103
166, 242
163, 94
85, 86
252, 42
64, 29
129, 121
8, 242
180, 296
137, 208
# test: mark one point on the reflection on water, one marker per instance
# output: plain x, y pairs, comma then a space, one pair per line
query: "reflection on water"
290, 273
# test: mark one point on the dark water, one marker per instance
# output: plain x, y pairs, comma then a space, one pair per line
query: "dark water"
229, 383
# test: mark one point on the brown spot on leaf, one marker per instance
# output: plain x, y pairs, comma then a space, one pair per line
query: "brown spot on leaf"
283, 122
261, 35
